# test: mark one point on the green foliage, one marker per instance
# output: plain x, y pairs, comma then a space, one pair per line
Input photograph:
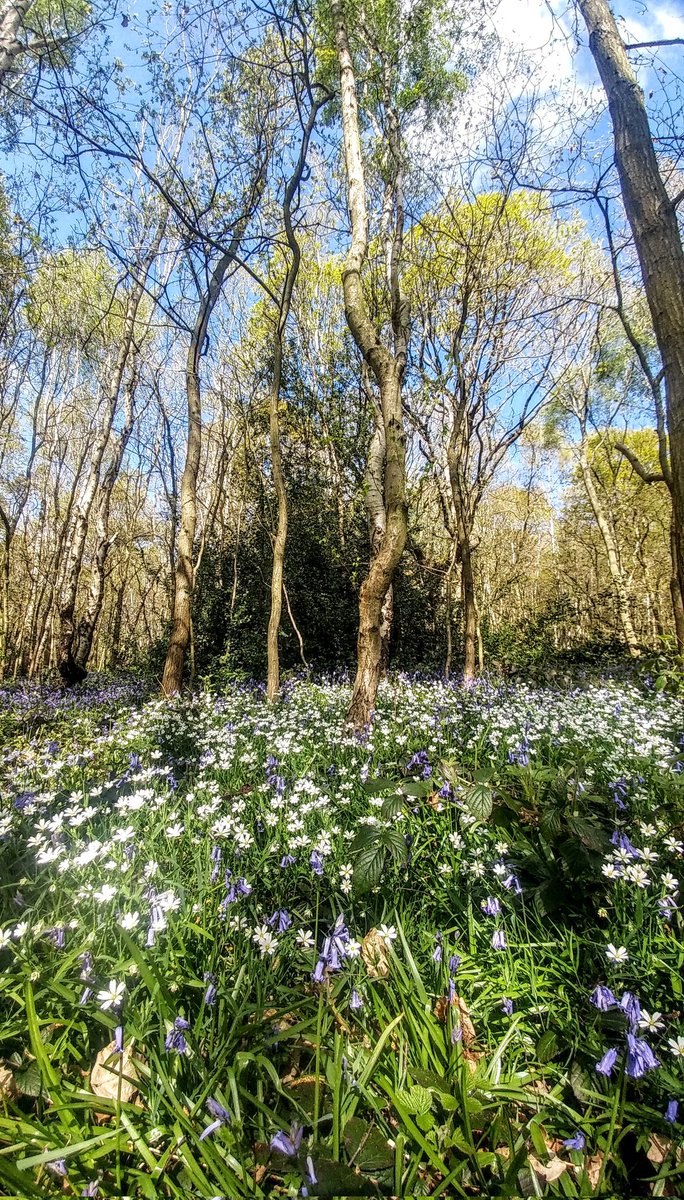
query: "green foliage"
73, 299
424, 1083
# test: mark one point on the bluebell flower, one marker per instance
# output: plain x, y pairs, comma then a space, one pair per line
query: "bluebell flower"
507, 1006
452, 990
605, 1065
437, 952
310, 1170
58, 1167
215, 858
454, 963
602, 998
499, 939
175, 1039
512, 883
316, 862
288, 1144
671, 1111
119, 1039
287, 860
221, 1117
632, 1009
623, 843
210, 994
91, 1190
576, 1142
640, 1057
456, 1034
356, 1002
491, 906
243, 887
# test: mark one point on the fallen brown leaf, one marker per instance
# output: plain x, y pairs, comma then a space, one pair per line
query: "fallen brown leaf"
375, 955
548, 1171
108, 1075
8, 1085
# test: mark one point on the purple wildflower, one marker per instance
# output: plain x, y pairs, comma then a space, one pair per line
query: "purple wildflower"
499, 939
288, 1145
512, 883
310, 1170
316, 862
221, 1117
175, 1039
576, 1142
491, 906
287, 860
507, 1006
454, 963
119, 1039
671, 1111
58, 1167
210, 994
632, 1009
640, 1057
602, 998
356, 1002
605, 1065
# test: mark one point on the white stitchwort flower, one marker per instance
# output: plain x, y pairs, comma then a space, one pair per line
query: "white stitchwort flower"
111, 996
617, 954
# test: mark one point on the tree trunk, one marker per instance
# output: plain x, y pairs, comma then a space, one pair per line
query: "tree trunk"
612, 552
653, 221
469, 605
11, 25
388, 369
676, 590
184, 581
280, 540
377, 522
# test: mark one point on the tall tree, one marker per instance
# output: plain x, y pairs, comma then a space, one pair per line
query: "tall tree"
652, 217
406, 76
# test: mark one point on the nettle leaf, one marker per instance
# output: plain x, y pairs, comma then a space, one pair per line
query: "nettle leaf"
480, 800
29, 1081
375, 787
392, 806
416, 1100
395, 843
548, 1047
369, 865
417, 787
590, 834
366, 835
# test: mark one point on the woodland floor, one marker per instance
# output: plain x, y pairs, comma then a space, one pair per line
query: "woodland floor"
245, 952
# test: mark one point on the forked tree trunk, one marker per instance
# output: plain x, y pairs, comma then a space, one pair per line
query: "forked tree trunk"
388, 369
184, 575
653, 221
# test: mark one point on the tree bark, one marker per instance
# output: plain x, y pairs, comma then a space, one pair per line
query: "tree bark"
612, 552
653, 221
11, 25
388, 369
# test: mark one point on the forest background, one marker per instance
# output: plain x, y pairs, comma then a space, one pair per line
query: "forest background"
194, 453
